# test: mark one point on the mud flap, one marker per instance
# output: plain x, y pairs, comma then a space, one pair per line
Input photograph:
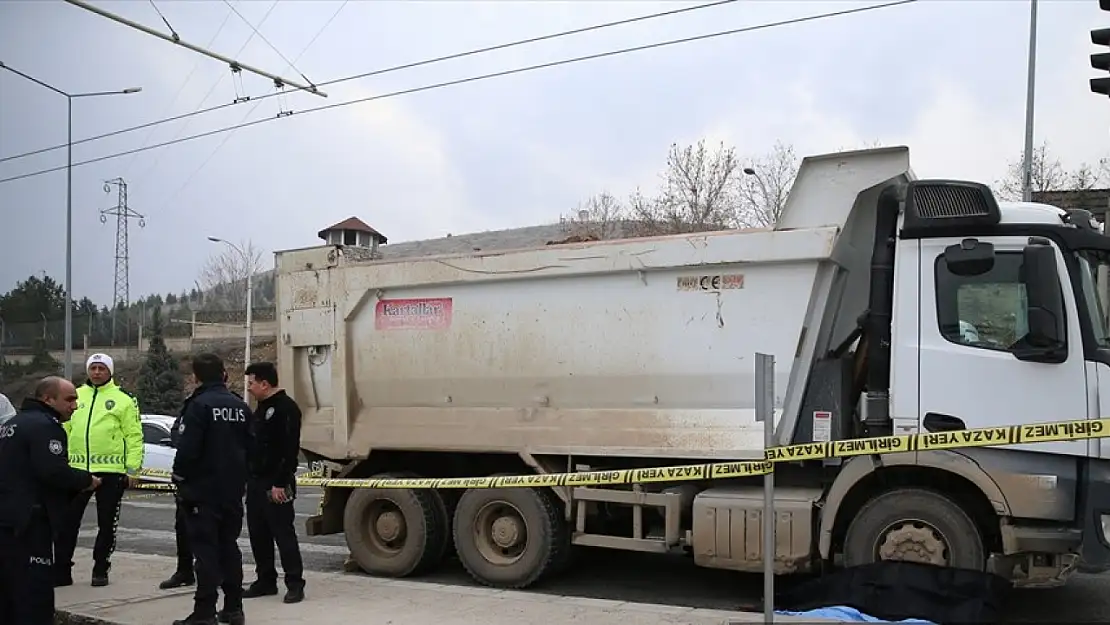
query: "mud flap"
895, 591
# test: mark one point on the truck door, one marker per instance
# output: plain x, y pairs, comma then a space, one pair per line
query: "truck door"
966, 327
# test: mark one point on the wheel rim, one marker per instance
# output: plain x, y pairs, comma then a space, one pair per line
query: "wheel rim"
385, 528
500, 533
913, 540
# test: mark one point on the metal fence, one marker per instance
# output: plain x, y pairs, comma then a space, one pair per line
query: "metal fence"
268, 313
98, 329
102, 330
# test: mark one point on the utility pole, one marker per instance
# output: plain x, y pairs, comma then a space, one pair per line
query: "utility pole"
68, 367
121, 295
1030, 98
248, 266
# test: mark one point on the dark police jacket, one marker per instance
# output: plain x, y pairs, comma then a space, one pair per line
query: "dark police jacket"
213, 437
35, 476
175, 431
276, 429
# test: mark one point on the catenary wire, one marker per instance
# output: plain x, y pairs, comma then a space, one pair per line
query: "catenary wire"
387, 70
165, 21
181, 131
229, 135
481, 77
180, 90
291, 64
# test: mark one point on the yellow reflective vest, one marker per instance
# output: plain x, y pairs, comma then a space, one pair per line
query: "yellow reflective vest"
105, 433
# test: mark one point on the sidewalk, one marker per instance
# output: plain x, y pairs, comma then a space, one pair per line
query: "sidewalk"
133, 598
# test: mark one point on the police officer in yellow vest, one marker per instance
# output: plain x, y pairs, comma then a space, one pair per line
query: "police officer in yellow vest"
105, 439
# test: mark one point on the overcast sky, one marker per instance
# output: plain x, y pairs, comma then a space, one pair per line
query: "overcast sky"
946, 78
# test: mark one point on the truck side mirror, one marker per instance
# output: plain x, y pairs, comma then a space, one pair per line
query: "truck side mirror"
970, 257
1044, 306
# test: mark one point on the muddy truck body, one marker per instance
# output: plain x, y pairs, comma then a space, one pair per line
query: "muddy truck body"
892, 306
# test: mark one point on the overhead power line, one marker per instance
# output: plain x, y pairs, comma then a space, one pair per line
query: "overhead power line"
310, 88
181, 131
181, 89
231, 134
291, 64
388, 70
173, 33
481, 77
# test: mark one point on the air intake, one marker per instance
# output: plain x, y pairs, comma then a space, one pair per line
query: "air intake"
933, 204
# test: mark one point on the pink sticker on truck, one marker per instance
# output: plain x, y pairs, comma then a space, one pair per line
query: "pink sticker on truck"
413, 314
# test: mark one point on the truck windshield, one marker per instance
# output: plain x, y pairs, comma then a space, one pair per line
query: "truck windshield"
1094, 268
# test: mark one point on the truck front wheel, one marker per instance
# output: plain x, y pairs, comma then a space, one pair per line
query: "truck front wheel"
396, 532
509, 537
914, 525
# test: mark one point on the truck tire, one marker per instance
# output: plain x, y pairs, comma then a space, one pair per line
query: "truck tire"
914, 525
395, 532
509, 537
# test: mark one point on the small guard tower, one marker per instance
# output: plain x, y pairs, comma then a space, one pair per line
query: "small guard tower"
353, 232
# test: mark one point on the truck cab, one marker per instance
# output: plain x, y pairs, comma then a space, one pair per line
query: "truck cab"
997, 318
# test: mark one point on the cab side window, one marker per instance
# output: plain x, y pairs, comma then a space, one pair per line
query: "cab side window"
987, 311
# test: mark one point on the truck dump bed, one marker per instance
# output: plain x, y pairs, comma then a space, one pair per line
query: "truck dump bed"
634, 347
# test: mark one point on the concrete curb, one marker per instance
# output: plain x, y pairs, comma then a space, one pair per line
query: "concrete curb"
61, 617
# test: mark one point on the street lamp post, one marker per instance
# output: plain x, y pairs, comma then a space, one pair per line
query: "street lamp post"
1030, 102
250, 289
69, 199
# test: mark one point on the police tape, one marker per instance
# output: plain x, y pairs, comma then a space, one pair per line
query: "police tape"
932, 441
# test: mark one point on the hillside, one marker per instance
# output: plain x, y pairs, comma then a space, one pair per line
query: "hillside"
127, 373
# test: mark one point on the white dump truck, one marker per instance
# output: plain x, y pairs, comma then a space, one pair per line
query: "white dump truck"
892, 306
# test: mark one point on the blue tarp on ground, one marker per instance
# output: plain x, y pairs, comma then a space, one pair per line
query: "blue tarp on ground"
846, 614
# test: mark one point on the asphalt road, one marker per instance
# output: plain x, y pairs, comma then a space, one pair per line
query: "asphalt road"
146, 526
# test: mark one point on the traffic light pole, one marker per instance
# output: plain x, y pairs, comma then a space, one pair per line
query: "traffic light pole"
1101, 61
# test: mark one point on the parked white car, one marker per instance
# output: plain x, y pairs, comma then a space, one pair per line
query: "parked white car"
158, 451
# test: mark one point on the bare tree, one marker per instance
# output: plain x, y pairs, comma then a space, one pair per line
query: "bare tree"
1087, 177
1047, 174
697, 193
765, 186
600, 217
223, 280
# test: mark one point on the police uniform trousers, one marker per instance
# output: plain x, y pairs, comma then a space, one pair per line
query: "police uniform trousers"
213, 530
270, 523
26, 574
109, 498
181, 532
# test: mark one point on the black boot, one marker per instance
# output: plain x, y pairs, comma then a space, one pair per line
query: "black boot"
195, 620
235, 617
178, 580
260, 589
100, 575
295, 594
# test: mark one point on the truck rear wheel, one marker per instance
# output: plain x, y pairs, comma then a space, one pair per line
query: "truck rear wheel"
914, 525
396, 532
509, 537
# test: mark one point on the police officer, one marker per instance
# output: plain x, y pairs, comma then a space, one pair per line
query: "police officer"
210, 472
105, 439
36, 484
276, 429
183, 575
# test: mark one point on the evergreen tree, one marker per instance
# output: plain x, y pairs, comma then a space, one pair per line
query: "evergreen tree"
160, 386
